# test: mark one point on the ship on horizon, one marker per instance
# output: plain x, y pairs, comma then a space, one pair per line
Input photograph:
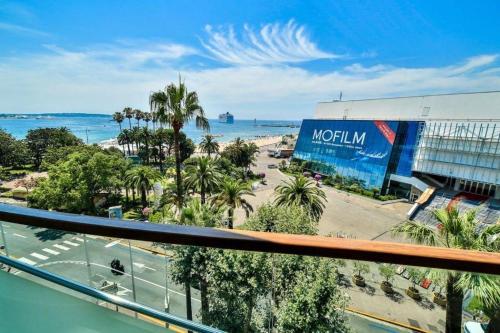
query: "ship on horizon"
226, 118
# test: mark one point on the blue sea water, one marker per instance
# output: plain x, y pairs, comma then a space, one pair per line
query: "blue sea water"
94, 128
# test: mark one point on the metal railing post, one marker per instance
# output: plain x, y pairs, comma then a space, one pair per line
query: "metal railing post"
4, 240
132, 274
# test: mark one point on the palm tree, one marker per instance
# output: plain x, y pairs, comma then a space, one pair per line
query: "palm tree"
208, 145
302, 192
142, 178
135, 136
203, 176
231, 194
147, 117
124, 138
460, 231
118, 118
128, 112
176, 106
192, 266
138, 115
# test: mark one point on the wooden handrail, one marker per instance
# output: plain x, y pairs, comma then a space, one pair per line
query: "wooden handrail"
397, 253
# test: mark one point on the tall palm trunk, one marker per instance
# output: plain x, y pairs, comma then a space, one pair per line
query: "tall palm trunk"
202, 193
178, 179
455, 298
129, 124
144, 199
123, 145
230, 217
189, 310
160, 152
147, 147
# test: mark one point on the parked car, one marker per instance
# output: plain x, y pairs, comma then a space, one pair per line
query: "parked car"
475, 327
272, 166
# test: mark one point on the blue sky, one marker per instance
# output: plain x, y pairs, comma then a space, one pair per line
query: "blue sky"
263, 59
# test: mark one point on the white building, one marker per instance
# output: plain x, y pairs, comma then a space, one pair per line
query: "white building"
459, 142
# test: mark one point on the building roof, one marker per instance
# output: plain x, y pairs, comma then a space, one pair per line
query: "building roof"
459, 106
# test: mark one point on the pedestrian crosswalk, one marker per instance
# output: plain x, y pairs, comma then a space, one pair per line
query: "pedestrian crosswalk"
51, 251
39, 256
61, 247
54, 250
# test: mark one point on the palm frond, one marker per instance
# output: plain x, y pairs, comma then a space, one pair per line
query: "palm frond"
418, 233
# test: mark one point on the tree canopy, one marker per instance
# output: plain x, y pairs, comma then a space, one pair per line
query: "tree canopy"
13, 153
41, 139
78, 182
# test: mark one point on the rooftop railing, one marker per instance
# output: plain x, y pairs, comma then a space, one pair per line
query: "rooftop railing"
116, 230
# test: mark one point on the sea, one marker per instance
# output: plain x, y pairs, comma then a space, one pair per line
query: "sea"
99, 128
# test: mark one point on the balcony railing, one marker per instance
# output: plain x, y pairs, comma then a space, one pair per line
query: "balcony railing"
381, 252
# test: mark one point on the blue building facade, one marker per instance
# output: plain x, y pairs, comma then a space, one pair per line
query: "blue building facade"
365, 151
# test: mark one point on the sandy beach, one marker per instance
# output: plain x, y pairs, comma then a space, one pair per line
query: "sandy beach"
259, 141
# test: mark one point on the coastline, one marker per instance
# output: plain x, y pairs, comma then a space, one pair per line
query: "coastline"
260, 141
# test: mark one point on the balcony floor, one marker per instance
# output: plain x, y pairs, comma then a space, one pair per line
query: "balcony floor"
27, 306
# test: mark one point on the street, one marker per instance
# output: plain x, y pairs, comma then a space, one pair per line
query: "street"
64, 254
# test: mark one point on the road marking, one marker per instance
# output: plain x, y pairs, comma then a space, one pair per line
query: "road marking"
39, 256
26, 261
78, 239
19, 235
113, 243
61, 247
140, 265
71, 243
51, 251
127, 274
92, 236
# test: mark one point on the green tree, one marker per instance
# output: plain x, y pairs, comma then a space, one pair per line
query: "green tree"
138, 115
77, 183
142, 178
208, 145
125, 138
190, 262
128, 113
118, 118
292, 220
41, 139
163, 141
300, 286
55, 155
231, 193
176, 106
238, 280
361, 268
315, 303
240, 153
456, 230
302, 192
203, 176
13, 153
387, 271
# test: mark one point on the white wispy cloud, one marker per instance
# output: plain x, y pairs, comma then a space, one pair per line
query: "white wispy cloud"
127, 54
272, 44
105, 79
18, 29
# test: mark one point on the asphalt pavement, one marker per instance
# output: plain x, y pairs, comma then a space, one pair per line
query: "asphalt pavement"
65, 254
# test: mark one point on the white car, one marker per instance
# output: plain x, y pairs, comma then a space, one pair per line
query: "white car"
474, 327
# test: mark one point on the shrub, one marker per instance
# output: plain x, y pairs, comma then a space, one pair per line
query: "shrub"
387, 197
